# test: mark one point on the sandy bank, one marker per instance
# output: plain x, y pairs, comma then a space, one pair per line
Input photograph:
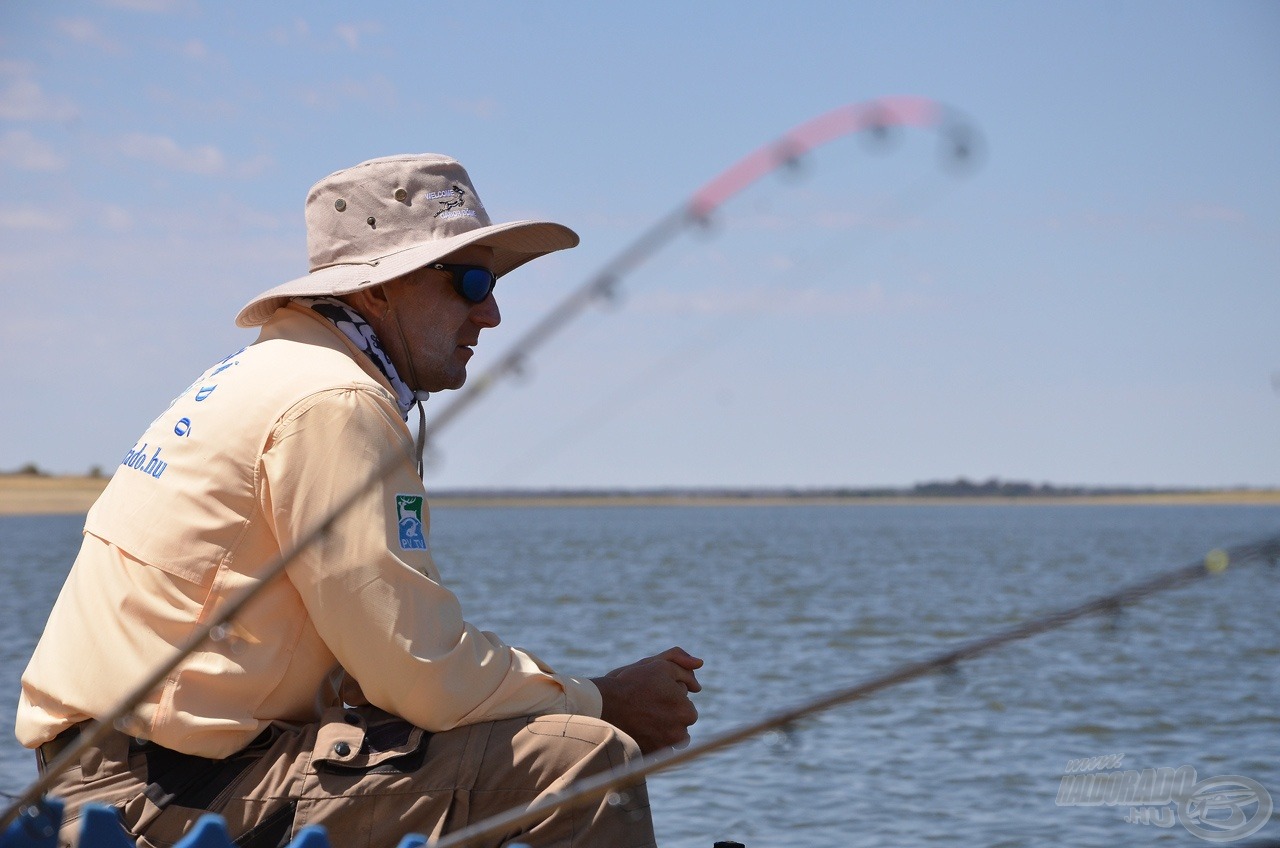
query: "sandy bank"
22, 494
28, 494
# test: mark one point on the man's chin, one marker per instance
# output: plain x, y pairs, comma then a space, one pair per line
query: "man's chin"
442, 382
452, 381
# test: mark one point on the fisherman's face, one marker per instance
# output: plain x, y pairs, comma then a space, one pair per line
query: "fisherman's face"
437, 327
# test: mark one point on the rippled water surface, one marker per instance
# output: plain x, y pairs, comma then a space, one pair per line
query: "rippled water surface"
786, 603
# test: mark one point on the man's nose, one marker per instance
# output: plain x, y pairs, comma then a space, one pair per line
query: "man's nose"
485, 313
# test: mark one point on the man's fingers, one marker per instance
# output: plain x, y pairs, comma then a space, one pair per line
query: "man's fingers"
685, 678
682, 665
681, 657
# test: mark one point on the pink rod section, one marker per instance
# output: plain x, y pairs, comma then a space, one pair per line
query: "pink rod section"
889, 111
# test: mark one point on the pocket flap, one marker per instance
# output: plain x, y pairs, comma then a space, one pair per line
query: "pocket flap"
364, 738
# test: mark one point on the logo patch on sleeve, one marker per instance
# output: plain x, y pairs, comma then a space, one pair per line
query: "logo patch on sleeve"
409, 517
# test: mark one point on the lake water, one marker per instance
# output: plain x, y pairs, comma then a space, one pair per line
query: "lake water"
786, 603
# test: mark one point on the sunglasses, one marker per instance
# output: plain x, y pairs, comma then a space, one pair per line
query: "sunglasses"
472, 282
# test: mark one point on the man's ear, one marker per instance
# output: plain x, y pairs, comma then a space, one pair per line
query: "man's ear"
371, 303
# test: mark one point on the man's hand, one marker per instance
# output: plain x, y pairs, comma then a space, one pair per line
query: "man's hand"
649, 699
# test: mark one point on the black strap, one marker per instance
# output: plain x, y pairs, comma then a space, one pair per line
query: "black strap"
200, 783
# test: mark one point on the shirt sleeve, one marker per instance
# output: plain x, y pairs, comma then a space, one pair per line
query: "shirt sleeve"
369, 584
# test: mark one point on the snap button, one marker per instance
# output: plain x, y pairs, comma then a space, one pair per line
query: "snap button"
401, 195
340, 205
372, 221
342, 749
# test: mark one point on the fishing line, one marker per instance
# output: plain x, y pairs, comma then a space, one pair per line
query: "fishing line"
591, 789
623, 396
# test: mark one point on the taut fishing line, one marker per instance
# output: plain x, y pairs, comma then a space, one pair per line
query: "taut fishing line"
623, 396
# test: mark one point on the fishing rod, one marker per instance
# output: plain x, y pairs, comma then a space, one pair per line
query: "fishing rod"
591, 789
877, 117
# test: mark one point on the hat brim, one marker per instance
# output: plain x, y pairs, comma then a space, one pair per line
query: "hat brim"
514, 243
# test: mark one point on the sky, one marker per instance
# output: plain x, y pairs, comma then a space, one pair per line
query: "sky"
1095, 302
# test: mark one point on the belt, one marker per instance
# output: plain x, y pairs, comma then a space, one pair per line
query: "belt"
49, 751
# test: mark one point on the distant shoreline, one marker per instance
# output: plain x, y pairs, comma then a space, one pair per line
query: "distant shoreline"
31, 494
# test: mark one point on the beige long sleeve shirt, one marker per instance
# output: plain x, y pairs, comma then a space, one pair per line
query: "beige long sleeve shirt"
249, 458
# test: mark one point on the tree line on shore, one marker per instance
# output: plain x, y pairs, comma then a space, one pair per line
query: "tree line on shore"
33, 470
961, 487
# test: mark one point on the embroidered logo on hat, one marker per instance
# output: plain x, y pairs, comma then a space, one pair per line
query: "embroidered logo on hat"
448, 200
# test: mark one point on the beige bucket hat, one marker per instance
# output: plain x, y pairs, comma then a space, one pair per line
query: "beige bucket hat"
383, 218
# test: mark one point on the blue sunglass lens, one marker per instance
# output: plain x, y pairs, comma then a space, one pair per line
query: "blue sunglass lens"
472, 282
475, 284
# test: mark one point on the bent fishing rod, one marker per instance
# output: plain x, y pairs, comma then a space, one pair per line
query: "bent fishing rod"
591, 789
877, 117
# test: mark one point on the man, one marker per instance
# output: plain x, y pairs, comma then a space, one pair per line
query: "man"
350, 692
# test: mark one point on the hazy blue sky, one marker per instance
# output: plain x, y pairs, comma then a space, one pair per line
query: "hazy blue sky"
1096, 304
